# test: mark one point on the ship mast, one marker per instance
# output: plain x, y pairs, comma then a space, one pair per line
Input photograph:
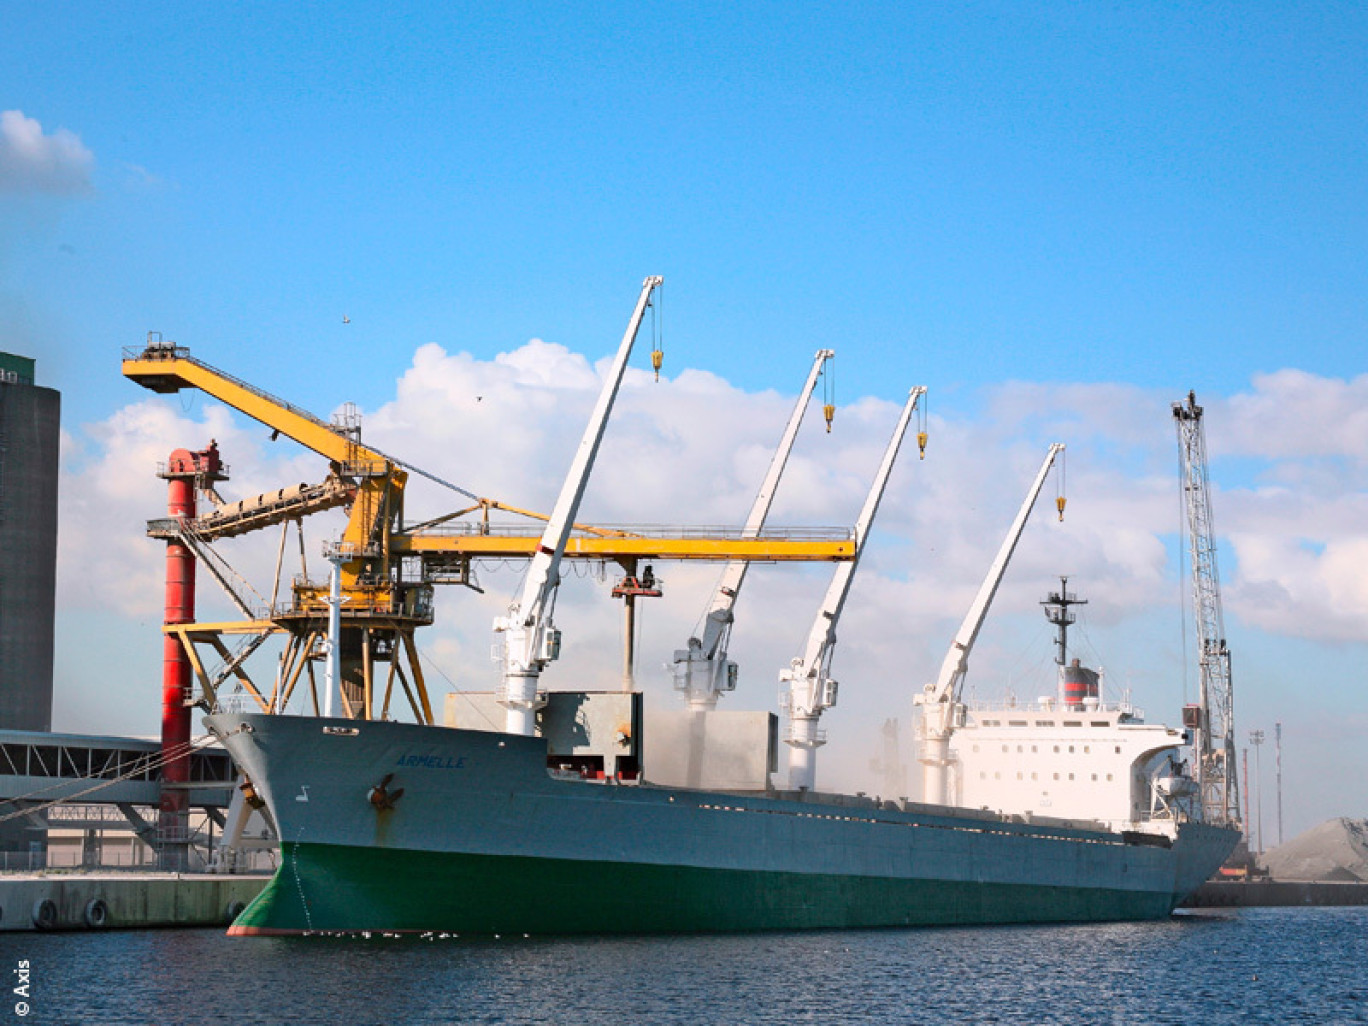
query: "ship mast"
1057, 605
1217, 775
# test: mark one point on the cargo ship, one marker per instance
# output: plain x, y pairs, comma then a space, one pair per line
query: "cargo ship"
589, 812
399, 827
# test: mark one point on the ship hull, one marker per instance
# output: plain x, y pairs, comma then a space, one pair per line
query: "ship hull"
484, 841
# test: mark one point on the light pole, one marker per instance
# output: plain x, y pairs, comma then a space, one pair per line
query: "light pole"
1277, 737
1256, 738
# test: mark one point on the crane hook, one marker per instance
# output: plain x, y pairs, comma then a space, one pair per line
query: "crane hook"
921, 428
1060, 500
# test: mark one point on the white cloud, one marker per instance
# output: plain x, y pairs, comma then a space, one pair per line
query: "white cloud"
32, 162
1295, 415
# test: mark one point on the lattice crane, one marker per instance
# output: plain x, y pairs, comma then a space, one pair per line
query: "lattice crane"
1214, 719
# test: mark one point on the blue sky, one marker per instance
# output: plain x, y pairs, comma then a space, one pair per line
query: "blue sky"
1061, 194
1056, 217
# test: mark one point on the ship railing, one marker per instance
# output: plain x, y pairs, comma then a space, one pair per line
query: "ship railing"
1125, 708
238, 702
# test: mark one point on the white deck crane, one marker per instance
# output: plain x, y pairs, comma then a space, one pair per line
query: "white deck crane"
810, 691
1217, 773
940, 703
530, 641
702, 670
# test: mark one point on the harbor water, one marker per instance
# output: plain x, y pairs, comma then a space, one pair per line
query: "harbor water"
1254, 965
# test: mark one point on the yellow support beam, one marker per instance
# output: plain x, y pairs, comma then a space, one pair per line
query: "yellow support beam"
238, 672
203, 631
187, 643
763, 550
169, 369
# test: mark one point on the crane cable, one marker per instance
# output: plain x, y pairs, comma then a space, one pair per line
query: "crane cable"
829, 391
921, 427
1060, 499
657, 329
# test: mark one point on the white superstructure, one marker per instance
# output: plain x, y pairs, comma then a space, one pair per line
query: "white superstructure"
1072, 755
1089, 762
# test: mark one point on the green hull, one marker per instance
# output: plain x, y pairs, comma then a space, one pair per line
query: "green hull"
338, 888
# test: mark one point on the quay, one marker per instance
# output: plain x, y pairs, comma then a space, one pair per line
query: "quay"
123, 900
1269, 893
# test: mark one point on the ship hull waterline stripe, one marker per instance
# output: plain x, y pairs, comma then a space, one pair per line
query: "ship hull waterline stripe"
330, 888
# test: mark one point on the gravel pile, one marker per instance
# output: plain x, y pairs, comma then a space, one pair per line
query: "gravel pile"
1337, 850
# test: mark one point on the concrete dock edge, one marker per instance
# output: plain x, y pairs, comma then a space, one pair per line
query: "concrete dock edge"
112, 901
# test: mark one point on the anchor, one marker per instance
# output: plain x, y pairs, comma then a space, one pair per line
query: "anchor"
381, 797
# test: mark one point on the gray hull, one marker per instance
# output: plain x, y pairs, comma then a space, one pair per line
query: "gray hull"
483, 839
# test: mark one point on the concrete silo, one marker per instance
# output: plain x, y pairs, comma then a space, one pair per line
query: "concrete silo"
29, 418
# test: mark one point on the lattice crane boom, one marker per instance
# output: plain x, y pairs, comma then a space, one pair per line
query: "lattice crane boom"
1217, 773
